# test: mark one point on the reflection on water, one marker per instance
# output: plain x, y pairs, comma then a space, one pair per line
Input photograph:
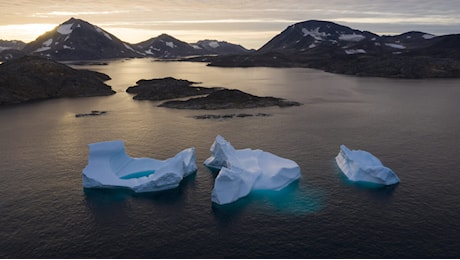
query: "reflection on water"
413, 127
288, 201
99, 196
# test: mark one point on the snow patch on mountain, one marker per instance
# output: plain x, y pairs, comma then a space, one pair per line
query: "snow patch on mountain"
128, 47
395, 45
65, 29
355, 51
428, 36
214, 44
170, 45
44, 48
99, 30
47, 43
352, 37
314, 33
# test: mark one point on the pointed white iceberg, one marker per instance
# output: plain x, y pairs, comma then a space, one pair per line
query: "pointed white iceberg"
244, 170
362, 166
110, 167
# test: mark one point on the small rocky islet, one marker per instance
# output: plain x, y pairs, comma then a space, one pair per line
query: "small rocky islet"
208, 98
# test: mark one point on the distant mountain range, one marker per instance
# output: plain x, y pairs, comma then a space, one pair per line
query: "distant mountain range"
313, 44
336, 48
166, 46
77, 39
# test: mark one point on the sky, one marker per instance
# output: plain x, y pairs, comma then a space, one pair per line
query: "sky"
250, 23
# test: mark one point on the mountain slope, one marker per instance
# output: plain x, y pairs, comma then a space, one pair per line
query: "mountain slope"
11, 45
76, 39
11, 49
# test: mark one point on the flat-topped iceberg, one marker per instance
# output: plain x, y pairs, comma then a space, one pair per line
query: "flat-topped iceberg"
244, 170
110, 167
362, 166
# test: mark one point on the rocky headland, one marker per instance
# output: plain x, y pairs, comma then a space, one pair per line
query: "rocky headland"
33, 78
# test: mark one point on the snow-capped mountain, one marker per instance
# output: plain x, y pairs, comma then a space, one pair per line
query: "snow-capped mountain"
317, 36
166, 46
76, 39
336, 48
219, 47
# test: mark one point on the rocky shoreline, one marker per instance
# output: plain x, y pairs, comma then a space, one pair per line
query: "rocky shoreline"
230, 116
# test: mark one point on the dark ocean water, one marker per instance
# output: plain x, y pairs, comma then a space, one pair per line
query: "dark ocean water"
412, 126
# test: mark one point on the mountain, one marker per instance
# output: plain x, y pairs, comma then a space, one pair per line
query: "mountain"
340, 49
166, 46
35, 78
8, 45
11, 49
214, 47
322, 36
76, 39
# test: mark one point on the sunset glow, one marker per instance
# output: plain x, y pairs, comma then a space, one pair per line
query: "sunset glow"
250, 23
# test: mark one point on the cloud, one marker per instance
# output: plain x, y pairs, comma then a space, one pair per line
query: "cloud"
228, 16
76, 13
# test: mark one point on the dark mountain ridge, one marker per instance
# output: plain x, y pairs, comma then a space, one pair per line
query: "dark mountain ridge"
76, 39
314, 44
336, 48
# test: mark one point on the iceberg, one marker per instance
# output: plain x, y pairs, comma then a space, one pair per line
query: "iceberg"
110, 167
362, 166
244, 170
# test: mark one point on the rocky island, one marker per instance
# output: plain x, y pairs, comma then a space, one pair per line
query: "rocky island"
208, 98
226, 99
166, 88
33, 78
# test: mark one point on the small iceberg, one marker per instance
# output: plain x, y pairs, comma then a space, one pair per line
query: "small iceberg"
362, 166
110, 167
244, 170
